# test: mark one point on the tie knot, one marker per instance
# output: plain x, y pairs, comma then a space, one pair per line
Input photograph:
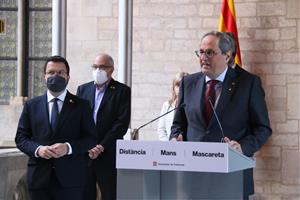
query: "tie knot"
55, 100
212, 83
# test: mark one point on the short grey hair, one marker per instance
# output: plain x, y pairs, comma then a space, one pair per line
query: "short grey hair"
109, 59
224, 40
233, 47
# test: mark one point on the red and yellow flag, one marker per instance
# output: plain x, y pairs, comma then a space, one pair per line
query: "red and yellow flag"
228, 24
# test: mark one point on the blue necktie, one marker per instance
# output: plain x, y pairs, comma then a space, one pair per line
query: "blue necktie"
54, 114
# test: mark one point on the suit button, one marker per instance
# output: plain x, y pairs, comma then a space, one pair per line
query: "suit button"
207, 132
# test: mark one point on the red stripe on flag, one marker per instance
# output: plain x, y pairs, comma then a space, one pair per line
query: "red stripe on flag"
228, 18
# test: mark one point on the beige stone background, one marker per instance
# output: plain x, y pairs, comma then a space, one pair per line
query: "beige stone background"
165, 35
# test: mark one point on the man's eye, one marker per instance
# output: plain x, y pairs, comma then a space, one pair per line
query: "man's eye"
210, 52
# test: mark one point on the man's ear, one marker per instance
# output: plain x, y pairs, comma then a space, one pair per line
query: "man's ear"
228, 56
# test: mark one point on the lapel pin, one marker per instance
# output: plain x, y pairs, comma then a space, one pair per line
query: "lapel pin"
71, 101
112, 87
229, 89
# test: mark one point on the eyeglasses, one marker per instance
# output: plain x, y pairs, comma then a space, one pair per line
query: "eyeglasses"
208, 53
104, 67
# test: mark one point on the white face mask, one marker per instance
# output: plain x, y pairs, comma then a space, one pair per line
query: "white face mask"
99, 76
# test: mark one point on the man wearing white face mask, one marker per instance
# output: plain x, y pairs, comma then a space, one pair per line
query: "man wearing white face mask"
111, 104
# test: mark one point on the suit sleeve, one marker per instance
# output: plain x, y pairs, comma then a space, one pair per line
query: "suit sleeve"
258, 119
23, 137
120, 125
88, 137
179, 125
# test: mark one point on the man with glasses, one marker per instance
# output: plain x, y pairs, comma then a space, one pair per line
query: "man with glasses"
56, 133
111, 104
237, 97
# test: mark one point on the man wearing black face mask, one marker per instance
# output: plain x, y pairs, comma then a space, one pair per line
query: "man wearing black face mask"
56, 131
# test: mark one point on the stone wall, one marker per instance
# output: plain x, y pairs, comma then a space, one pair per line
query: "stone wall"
165, 35
12, 168
9, 117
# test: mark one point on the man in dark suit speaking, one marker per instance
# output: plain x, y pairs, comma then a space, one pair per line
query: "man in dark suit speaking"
237, 97
111, 104
56, 131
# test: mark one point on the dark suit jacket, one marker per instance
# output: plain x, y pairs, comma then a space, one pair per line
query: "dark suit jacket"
75, 125
113, 115
241, 109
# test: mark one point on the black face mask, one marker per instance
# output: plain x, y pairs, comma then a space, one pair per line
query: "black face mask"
56, 83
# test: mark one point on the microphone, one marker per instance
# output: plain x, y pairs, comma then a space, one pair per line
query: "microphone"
136, 131
217, 118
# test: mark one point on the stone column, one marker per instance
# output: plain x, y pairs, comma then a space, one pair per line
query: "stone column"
59, 27
125, 41
21, 47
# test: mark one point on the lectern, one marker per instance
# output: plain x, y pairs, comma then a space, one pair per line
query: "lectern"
179, 170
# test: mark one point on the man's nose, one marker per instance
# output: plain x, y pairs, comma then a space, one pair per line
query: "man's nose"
203, 56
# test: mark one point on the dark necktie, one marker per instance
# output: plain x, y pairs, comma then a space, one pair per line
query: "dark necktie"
210, 95
54, 114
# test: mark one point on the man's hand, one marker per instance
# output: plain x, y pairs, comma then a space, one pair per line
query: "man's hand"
233, 144
178, 138
60, 149
46, 152
96, 151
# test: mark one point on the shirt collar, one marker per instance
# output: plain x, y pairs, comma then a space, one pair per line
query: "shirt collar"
103, 88
61, 97
220, 78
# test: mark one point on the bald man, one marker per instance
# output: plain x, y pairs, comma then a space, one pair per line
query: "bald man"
111, 104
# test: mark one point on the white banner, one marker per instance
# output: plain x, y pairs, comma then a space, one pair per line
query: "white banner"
179, 156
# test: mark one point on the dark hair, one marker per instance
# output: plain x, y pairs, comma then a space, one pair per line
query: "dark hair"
57, 59
224, 40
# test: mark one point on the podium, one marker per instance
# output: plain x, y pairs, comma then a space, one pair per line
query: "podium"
179, 170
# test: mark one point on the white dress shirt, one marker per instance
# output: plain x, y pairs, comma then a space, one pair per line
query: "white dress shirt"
60, 102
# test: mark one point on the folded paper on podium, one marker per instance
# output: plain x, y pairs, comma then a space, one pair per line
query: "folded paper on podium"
179, 170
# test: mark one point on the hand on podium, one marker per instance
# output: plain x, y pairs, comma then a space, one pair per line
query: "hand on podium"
234, 144
178, 138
